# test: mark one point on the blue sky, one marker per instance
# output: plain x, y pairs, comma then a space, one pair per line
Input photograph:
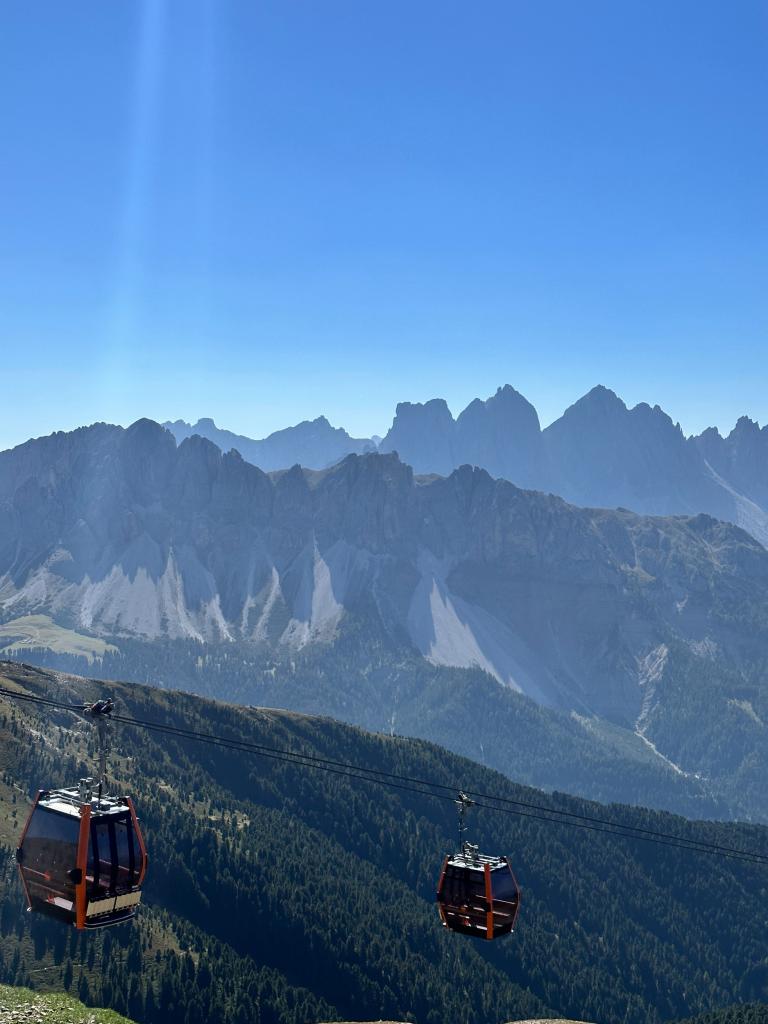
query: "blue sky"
264, 211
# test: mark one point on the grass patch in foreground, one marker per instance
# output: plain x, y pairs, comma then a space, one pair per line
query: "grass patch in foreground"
21, 1004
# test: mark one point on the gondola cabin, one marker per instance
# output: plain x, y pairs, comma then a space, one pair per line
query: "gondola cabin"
478, 895
82, 859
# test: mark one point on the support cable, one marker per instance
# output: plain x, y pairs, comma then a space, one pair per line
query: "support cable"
393, 780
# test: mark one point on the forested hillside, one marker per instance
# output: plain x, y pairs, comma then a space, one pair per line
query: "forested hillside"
287, 895
742, 1013
462, 709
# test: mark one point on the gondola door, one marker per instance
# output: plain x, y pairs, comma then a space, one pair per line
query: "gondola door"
52, 857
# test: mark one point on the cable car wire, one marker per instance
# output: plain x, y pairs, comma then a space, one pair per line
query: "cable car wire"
316, 760
409, 783
422, 787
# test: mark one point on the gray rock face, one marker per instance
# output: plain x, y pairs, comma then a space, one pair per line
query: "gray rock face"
501, 434
311, 443
601, 453
741, 459
423, 436
124, 534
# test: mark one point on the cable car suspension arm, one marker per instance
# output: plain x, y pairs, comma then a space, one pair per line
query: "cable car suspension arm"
100, 712
463, 802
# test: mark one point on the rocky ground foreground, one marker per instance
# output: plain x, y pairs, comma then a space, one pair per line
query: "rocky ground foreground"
550, 1020
20, 1006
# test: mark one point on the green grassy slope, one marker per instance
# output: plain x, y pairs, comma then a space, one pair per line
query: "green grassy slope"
30, 632
285, 895
21, 1006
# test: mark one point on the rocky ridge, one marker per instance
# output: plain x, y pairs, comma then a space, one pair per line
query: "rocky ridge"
599, 453
123, 534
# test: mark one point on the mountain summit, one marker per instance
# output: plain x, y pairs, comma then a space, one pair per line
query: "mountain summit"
601, 453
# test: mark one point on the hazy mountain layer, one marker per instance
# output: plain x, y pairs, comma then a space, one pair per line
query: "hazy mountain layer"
658, 626
501, 435
598, 453
312, 443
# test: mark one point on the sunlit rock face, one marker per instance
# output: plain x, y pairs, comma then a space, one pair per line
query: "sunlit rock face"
122, 533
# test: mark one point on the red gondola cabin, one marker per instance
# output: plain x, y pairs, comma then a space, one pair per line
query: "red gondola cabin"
82, 859
478, 895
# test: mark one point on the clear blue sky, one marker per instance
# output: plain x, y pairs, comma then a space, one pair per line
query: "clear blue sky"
264, 211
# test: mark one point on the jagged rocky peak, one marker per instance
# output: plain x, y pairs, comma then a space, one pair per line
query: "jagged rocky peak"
602, 402
181, 429
53, 452
203, 425
423, 436
506, 406
741, 460
602, 453
148, 433
745, 424
503, 435
599, 399
147, 453
710, 434
429, 415
601, 407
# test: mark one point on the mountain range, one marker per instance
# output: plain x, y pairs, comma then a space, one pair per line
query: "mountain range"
311, 443
598, 453
368, 579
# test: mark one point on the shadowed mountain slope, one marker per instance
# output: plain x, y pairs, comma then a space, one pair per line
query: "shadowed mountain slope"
298, 895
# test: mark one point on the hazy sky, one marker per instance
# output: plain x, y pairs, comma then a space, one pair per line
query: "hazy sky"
264, 211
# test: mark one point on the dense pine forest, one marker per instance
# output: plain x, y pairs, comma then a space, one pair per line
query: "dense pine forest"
288, 895
363, 680
745, 1013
